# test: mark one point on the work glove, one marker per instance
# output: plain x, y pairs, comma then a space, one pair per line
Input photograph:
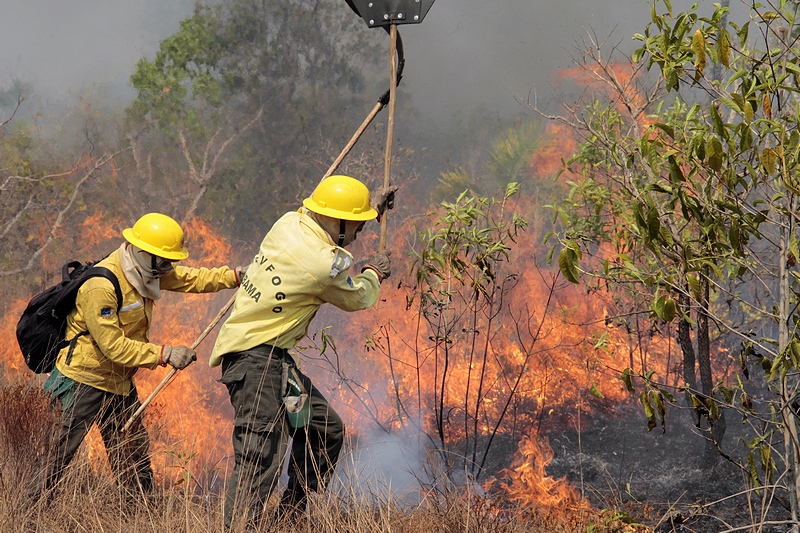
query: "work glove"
240, 271
380, 264
178, 356
383, 199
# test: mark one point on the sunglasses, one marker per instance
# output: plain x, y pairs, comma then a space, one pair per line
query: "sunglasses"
159, 266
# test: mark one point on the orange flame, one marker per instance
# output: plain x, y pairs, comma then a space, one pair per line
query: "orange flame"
576, 349
623, 91
190, 416
558, 142
529, 485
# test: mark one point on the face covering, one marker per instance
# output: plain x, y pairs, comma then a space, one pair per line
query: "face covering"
144, 270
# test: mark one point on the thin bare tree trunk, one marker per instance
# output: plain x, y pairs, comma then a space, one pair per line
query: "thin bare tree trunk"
685, 341
792, 453
716, 425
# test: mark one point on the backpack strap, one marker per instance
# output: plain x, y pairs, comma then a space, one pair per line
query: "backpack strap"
110, 276
68, 270
72, 343
95, 271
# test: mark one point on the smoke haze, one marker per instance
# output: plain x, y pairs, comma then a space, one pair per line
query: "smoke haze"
61, 48
466, 53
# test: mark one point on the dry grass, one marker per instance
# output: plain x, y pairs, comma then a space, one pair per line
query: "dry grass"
89, 500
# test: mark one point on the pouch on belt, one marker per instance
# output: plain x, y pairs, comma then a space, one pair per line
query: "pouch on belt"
295, 399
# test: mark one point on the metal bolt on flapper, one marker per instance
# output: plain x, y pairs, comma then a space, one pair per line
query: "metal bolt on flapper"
386, 16
399, 15
416, 17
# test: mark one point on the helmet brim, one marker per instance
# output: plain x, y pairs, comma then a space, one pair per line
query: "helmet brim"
172, 255
311, 205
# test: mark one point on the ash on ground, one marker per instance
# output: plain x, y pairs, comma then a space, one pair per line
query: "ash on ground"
667, 475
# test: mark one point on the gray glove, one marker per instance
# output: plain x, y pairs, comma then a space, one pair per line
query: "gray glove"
240, 272
178, 356
381, 264
383, 199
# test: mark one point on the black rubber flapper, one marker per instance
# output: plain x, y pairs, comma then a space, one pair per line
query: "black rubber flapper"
387, 12
401, 60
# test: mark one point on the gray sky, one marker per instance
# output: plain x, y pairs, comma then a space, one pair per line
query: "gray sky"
486, 52
465, 53
64, 46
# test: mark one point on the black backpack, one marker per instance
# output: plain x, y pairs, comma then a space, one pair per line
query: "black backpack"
42, 327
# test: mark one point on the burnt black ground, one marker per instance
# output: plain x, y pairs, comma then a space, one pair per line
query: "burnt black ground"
617, 461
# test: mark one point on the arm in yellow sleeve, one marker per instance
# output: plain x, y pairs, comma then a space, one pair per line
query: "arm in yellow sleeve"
97, 304
352, 294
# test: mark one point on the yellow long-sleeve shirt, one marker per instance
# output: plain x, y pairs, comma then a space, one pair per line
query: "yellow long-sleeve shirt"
117, 343
296, 270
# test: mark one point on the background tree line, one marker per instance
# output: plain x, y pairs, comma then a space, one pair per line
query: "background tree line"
235, 118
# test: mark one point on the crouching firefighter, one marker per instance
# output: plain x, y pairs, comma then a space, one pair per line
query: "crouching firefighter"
109, 342
300, 265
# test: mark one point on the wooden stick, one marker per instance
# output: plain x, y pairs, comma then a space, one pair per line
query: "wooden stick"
354, 139
172, 372
387, 163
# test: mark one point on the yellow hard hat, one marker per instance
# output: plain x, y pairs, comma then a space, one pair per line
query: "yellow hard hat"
341, 197
159, 235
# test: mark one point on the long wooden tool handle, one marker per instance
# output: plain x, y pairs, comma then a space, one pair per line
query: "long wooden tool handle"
397, 57
387, 163
354, 139
149, 399
172, 372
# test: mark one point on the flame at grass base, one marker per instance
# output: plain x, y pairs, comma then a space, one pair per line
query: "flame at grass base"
528, 484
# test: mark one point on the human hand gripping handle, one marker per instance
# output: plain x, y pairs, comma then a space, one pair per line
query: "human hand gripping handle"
168, 377
380, 264
383, 199
240, 271
178, 356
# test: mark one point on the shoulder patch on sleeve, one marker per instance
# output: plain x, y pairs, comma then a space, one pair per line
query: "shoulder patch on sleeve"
106, 312
341, 262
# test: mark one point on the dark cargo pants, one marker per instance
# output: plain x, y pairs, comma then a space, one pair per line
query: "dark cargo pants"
254, 379
127, 453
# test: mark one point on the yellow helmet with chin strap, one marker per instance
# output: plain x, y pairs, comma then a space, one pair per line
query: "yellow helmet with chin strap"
341, 197
159, 235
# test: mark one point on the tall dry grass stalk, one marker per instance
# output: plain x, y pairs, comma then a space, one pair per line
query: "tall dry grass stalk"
89, 499
28, 425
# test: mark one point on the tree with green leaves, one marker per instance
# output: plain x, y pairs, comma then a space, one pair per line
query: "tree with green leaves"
684, 193
462, 283
244, 99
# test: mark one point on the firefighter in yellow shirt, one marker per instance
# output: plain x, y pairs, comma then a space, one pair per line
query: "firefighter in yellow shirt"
300, 265
93, 377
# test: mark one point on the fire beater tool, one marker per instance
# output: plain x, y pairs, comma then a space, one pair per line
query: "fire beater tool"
379, 105
386, 14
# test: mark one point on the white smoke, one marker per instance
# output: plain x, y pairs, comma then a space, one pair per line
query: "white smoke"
381, 467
